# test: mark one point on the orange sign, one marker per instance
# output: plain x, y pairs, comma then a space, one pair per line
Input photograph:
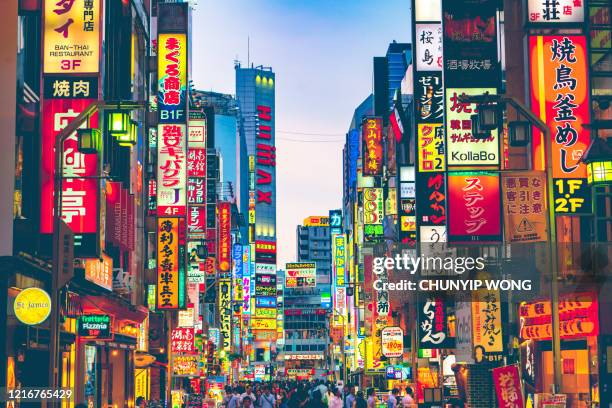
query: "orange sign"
524, 204
167, 263
372, 146
100, 271
559, 86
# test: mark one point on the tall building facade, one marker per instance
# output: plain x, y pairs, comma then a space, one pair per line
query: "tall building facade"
255, 94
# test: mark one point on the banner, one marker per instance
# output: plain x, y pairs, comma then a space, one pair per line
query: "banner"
339, 259
373, 213
559, 86
182, 340
431, 199
433, 330
525, 207
508, 386
474, 207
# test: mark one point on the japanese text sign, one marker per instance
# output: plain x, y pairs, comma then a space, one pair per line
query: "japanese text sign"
172, 72
171, 170
225, 239
559, 84
461, 147
572, 196
525, 208
433, 330
372, 146
508, 387
79, 195
182, 340
225, 312
431, 200
429, 47
555, 12
430, 144
373, 212
474, 207
486, 320
392, 341
429, 97
300, 275
168, 263
72, 36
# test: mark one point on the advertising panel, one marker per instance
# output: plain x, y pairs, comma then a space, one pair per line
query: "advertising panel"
197, 130
196, 222
372, 146
184, 366
78, 212
263, 324
429, 97
300, 275
429, 47
225, 238
168, 279
171, 170
172, 72
72, 36
525, 207
559, 86
94, 327
196, 161
373, 212
430, 144
572, 196
266, 156
225, 313
474, 207
100, 271
463, 150
392, 341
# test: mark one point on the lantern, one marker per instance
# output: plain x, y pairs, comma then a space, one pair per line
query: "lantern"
131, 137
598, 159
118, 123
89, 140
519, 132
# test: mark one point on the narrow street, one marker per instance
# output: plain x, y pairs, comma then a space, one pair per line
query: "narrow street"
319, 204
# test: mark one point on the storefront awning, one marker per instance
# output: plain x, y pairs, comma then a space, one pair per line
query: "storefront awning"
115, 306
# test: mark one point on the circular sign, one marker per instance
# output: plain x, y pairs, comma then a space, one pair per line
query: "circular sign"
32, 306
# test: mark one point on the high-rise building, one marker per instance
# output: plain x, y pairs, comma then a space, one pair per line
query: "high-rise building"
255, 94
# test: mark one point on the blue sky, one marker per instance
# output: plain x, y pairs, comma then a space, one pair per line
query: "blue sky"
321, 52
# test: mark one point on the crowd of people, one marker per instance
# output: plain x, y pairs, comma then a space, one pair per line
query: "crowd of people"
313, 394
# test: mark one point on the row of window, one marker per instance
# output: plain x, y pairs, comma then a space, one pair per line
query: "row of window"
304, 347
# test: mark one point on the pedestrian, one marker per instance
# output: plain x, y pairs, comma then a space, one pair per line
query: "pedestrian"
408, 400
336, 401
392, 401
350, 398
360, 402
316, 400
141, 402
372, 400
267, 399
234, 401
248, 393
247, 402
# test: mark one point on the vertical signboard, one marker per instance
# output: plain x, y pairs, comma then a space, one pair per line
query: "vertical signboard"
433, 329
225, 313
225, 238
71, 37
559, 85
373, 213
429, 47
168, 259
474, 207
339, 258
171, 170
172, 72
430, 143
79, 191
266, 156
486, 323
372, 146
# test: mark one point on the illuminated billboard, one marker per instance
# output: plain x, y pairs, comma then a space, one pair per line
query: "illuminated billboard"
373, 212
168, 263
225, 238
300, 275
462, 148
371, 129
171, 170
72, 36
172, 72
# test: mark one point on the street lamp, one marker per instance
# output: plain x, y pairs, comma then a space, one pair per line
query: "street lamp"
487, 99
519, 132
91, 140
